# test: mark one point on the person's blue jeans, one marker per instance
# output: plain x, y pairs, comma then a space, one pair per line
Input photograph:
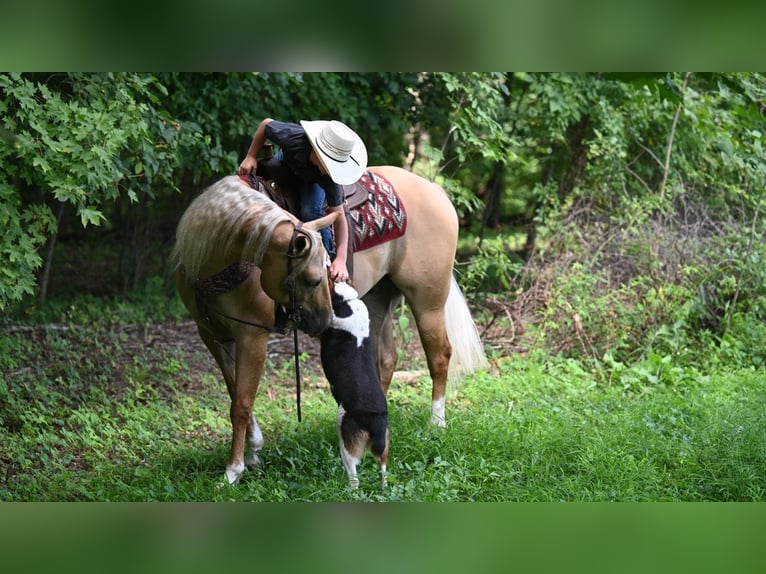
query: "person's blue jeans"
312, 197
312, 207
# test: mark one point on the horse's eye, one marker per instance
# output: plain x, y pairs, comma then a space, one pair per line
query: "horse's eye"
312, 283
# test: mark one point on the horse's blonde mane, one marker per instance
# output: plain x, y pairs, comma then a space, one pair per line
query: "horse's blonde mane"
226, 217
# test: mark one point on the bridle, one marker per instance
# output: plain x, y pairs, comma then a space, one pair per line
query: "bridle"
294, 313
291, 317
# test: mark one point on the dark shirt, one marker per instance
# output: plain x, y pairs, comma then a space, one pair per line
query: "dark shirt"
296, 148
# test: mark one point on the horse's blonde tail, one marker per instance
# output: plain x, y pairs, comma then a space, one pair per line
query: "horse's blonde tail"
467, 348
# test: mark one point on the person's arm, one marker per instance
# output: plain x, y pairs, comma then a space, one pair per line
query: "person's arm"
250, 162
339, 268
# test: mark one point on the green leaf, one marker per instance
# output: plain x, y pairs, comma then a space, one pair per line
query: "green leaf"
90, 215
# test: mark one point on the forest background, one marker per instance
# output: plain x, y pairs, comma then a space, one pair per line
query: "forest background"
612, 224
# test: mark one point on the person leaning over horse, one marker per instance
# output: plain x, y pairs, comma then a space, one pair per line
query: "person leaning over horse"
323, 155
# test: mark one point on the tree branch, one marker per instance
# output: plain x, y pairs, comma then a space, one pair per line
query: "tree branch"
668, 149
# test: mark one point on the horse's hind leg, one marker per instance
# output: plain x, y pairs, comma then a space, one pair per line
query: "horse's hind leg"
381, 302
436, 345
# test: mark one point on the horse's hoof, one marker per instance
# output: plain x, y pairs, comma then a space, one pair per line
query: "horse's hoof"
252, 461
438, 421
438, 417
233, 472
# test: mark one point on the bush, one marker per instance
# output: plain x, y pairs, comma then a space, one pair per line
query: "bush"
663, 290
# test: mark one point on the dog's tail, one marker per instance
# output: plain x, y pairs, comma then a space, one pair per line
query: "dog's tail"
467, 348
379, 437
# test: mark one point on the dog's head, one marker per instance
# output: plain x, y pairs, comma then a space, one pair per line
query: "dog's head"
350, 312
342, 294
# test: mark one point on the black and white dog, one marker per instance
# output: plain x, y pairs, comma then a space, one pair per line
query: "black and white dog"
349, 365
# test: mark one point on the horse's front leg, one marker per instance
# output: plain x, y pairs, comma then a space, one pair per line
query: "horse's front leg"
254, 443
250, 359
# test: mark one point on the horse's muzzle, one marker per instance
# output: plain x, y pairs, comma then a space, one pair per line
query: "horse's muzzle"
313, 324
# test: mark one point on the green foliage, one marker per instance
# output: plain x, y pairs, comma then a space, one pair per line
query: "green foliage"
67, 144
82, 140
492, 268
25, 229
744, 342
476, 103
148, 305
378, 105
431, 162
646, 195
642, 311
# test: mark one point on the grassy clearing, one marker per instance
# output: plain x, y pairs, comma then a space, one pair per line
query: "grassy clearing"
110, 414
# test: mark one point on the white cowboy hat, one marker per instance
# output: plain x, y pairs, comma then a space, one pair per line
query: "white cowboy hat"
339, 148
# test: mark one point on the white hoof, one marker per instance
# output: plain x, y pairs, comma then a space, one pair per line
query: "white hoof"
437, 413
438, 421
252, 460
233, 472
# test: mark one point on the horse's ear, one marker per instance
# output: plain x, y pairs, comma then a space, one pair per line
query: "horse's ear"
301, 246
322, 222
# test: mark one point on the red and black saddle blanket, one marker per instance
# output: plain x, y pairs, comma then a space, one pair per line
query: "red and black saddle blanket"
382, 217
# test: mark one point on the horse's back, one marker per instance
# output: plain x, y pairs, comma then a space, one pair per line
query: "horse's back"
421, 197
430, 243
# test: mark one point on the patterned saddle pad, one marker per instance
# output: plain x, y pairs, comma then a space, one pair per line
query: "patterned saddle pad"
379, 219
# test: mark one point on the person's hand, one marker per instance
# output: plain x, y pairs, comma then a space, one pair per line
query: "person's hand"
338, 271
247, 166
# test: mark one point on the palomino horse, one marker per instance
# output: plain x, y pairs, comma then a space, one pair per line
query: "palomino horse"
226, 225
237, 253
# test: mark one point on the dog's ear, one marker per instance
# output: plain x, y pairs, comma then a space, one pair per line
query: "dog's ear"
340, 307
334, 295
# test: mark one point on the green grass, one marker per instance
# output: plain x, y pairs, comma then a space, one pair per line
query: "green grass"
88, 415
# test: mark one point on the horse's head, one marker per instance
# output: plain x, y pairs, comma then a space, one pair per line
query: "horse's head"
294, 273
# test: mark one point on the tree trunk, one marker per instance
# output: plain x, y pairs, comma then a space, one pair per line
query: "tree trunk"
577, 156
45, 277
413, 145
140, 243
494, 191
